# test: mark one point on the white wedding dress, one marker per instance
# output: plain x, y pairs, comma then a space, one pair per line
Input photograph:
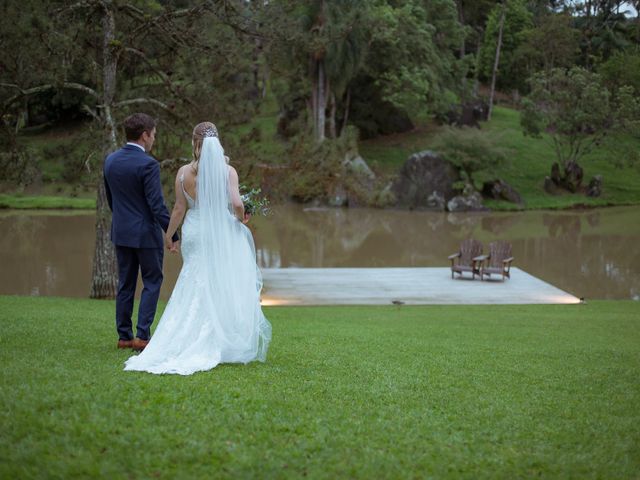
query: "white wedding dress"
214, 314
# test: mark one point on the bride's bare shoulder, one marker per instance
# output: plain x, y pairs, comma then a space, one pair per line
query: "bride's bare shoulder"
187, 170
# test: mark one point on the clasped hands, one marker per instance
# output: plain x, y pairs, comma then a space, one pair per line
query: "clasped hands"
173, 247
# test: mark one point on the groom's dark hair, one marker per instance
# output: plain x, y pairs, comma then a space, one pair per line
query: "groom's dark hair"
137, 123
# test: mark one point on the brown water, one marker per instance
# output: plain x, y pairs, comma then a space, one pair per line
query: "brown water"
591, 254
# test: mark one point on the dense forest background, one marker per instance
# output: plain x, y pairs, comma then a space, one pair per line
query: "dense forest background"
325, 75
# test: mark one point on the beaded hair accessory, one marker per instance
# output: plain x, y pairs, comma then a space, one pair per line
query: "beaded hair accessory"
211, 131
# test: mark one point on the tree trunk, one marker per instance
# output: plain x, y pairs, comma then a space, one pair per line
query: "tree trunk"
321, 102
496, 62
589, 35
265, 82
461, 20
105, 277
463, 51
636, 5
476, 81
332, 116
318, 80
347, 106
313, 66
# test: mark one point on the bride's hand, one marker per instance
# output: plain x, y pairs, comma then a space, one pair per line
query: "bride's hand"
246, 218
168, 242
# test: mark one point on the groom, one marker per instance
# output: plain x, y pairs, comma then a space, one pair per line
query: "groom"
134, 193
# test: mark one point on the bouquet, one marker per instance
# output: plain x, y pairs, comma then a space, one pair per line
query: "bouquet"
254, 203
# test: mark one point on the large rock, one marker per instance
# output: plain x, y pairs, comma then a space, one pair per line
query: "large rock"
356, 165
466, 203
569, 178
594, 189
338, 196
468, 114
556, 178
359, 182
425, 181
500, 190
436, 201
573, 174
550, 186
385, 197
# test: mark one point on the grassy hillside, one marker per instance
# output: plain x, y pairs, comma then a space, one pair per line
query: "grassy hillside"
61, 155
530, 162
547, 391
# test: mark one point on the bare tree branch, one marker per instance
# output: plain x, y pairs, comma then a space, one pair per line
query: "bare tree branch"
132, 101
225, 13
169, 162
152, 101
165, 78
90, 111
10, 85
162, 20
44, 88
77, 6
132, 11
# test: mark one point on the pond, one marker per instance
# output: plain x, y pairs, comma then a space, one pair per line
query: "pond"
589, 253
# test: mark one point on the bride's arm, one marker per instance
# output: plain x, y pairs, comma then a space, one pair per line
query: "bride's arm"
234, 191
179, 209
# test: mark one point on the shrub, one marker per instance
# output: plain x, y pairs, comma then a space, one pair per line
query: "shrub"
19, 168
474, 152
316, 168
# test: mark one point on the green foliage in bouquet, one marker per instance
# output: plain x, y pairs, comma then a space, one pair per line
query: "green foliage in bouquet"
254, 203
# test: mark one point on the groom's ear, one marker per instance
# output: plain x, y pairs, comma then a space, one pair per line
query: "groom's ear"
147, 134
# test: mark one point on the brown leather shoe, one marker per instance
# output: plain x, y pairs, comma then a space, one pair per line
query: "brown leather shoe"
125, 343
139, 344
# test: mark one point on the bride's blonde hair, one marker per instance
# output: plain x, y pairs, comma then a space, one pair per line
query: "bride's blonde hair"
200, 131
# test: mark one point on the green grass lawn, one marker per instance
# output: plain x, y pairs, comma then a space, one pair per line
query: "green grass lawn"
22, 202
346, 392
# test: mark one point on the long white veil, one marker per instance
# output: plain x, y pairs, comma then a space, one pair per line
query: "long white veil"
214, 314
232, 280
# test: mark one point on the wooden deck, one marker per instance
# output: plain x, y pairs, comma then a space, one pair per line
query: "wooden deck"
411, 286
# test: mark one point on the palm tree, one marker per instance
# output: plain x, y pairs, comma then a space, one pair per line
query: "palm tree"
337, 48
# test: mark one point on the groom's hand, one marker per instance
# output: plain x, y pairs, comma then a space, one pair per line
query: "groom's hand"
246, 218
175, 247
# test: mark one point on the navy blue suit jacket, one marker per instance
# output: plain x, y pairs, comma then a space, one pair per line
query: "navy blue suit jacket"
134, 193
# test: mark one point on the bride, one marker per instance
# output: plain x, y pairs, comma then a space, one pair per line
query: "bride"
214, 314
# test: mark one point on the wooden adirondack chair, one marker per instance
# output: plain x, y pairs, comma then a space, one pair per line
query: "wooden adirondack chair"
498, 261
463, 261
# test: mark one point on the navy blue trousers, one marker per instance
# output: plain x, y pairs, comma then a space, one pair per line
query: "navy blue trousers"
147, 261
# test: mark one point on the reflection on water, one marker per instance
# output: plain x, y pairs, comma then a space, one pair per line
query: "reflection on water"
593, 253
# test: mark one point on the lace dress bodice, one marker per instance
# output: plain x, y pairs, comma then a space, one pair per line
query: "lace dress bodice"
190, 201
